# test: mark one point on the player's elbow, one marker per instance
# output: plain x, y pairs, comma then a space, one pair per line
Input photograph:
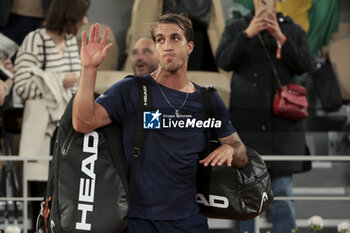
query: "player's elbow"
243, 161
81, 126
242, 158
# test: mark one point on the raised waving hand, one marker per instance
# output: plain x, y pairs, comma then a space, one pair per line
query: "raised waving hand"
94, 51
88, 115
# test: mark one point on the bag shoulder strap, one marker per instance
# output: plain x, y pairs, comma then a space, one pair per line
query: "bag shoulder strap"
274, 70
206, 92
145, 104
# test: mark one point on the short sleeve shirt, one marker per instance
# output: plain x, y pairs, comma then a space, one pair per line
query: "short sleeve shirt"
166, 177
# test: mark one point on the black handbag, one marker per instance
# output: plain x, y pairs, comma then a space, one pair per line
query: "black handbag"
232, 193
327, 86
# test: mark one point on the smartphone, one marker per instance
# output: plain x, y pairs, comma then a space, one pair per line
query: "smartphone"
268, 5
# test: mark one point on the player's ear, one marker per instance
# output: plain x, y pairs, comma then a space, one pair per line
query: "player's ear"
190, 46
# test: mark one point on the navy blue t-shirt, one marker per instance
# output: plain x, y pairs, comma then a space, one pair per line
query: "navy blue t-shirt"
166, 179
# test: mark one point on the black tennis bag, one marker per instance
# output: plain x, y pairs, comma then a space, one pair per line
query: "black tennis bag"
233, 193
88, 189
86, 170
229, 192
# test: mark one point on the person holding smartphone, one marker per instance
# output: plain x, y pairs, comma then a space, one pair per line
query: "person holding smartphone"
244, 48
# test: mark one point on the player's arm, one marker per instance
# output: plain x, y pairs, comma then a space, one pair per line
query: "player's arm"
88, 115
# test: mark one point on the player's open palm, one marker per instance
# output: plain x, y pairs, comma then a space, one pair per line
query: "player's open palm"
94, 51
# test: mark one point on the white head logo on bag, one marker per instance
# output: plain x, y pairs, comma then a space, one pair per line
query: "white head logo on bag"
264, 198
214, 201
87, 185
52, 226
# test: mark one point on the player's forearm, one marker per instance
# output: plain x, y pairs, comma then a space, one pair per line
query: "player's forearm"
84, 102
240, 155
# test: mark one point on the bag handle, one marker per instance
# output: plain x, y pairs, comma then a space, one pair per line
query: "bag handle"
274, 70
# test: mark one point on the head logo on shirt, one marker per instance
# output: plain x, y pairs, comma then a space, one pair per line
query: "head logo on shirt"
151, 120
